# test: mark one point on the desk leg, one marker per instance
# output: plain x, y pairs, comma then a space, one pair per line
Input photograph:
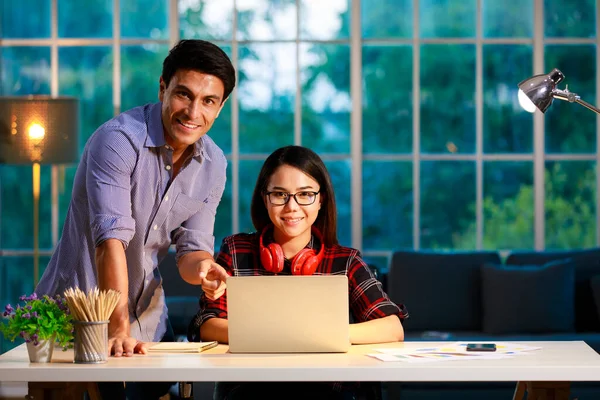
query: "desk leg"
543, 390
520, 391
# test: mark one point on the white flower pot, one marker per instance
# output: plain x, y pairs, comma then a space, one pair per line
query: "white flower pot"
42, 353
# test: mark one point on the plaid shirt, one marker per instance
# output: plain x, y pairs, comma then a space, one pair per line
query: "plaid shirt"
240, 256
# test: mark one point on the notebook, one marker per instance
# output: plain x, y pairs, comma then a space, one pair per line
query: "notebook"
288, 314
181, 347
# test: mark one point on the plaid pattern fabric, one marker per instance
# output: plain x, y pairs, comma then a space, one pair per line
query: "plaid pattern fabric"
240, 256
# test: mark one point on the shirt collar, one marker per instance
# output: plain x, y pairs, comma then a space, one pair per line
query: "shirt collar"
156, 134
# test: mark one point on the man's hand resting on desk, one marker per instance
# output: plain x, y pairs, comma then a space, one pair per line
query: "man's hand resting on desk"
213, 278
121, 344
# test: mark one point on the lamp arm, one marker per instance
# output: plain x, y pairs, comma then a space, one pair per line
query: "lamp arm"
571, 97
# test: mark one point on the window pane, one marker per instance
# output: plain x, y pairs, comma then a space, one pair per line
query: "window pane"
387, 114
340, 177
447, 18
86, 73
387, 205
94, 19
448, 98
66, 176
508, 18
221, 129
19, 22
377, 23
508, 203
144, 19
326, 101
206, 19
25, 70
249, 170
507, 128
223, 221
266, 19
266, 94
140, 85
16, 207
324, 20
446, 213
570, 18
571, 128
570, 205
16, 279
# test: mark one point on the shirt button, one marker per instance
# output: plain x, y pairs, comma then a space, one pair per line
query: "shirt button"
166, 198
155, 227
168, 167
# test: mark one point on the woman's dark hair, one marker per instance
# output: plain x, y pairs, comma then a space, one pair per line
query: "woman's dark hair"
311, 164
203, 56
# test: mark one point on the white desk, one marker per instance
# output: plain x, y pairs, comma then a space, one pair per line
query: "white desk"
556, 361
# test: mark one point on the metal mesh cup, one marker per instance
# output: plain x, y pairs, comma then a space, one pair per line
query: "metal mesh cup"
91, 342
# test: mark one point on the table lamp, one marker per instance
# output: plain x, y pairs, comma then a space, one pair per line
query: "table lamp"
38, 130
538, 92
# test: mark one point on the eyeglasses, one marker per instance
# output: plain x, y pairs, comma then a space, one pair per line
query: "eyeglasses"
282, 198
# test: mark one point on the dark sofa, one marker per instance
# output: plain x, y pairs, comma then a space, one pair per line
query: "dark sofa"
527, 296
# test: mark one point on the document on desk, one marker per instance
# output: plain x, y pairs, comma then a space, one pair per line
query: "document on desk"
435, 356
451, 351
182, 347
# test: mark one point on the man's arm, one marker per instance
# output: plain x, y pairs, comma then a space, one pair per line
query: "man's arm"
112, 274
199, 268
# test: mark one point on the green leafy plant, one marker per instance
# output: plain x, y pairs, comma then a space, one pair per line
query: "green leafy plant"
44, 318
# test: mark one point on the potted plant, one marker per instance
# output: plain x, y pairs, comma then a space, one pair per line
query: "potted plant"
42, 322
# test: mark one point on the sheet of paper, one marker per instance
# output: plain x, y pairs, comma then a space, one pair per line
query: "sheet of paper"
182, 347
433, 357
461, 347
451, 351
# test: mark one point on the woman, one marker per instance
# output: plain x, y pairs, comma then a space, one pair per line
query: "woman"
293, 208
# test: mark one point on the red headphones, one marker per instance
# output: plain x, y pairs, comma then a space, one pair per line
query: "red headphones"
303, 263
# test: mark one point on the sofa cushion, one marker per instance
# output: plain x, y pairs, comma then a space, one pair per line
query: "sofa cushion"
587, 265
528, 299
440, 290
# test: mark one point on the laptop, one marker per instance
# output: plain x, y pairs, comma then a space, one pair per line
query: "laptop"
288, 314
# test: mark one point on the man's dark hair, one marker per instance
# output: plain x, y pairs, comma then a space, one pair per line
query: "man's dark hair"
203, 56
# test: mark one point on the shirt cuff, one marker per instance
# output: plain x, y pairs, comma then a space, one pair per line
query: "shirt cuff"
106, 227
189, 240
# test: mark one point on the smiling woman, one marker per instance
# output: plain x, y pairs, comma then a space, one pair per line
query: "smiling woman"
294, 214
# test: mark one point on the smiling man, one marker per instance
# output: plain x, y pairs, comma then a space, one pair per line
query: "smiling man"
148, 178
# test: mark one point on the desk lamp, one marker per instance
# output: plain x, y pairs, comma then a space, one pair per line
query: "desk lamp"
38, 130
538, 92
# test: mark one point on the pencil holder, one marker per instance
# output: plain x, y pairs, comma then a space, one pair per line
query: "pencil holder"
91, 342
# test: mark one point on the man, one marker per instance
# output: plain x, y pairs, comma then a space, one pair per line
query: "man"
148, 178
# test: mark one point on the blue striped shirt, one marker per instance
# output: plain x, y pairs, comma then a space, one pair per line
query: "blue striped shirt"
123, 190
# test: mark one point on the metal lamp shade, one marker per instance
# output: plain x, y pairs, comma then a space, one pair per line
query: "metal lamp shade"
39, 129
539, 88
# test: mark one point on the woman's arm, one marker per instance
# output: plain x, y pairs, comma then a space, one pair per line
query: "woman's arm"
378, 318
380, 330
215, 329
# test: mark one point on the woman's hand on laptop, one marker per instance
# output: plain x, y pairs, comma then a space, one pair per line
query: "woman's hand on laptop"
213, 278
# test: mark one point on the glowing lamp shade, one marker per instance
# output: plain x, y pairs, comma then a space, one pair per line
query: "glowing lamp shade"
526, 102
38, 129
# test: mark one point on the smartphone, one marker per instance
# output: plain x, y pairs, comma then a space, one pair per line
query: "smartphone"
481, 347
